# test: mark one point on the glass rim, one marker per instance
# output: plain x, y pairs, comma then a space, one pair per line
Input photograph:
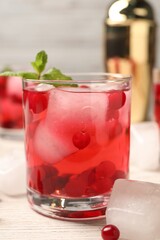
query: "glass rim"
108, 77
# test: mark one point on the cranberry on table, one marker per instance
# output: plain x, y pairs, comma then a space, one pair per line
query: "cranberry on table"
110, 232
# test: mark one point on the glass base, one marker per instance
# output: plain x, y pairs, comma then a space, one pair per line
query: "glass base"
69, 208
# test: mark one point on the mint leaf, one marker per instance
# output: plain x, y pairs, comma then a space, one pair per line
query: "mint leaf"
8, 73
40, 62
55, 74
27, 75
39, 66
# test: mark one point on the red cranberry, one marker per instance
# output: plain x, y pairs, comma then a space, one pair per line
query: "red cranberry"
38, 102
116, 100
81, 139
76, 187
105, 169
112, 114
84, 86
119, 175
110, 232
113, 128
42, 178
103, 185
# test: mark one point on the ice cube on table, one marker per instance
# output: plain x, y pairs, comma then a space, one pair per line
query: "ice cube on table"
13, 172
134, 207
145, 143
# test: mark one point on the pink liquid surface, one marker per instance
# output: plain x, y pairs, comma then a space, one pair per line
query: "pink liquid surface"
77, 143
11, 103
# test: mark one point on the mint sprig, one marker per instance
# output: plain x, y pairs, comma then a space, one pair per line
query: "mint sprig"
55, 74
39, 66
40, 62
27, 75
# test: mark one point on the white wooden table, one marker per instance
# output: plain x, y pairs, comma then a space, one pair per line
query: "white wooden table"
19, 222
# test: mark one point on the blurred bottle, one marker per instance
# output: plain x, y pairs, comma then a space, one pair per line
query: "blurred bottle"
130, 49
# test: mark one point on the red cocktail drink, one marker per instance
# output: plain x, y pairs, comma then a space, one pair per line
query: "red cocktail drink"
11, 103
77, 143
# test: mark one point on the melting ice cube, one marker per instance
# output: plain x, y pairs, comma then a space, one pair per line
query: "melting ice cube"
73, 111
43, 87
69, 113
134, 207
49, 146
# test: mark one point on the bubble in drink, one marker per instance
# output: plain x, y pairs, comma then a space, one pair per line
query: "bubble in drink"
134, 208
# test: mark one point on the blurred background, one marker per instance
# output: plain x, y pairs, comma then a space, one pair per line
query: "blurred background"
71, 31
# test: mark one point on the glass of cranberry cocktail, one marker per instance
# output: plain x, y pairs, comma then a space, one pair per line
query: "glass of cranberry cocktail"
11, 117
77, 143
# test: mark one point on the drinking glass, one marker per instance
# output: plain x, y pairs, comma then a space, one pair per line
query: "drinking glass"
77, 136
11, 119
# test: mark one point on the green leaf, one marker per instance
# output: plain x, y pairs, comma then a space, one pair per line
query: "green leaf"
58, 84
39, 65
8, 73
27, 75
40, 62
55, 74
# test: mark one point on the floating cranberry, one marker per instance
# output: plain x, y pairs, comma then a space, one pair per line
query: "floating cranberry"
105, 169
110, 232
36, 176
50, 171
113, 128
61, 181
116, 100
81, 139
103, 185
48, 185
88, 176
112, 114
76, 187
119, 175
38, 101
84, 86
42, 178
81, 185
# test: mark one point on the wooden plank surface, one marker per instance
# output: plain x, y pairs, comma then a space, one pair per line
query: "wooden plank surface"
18, 221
